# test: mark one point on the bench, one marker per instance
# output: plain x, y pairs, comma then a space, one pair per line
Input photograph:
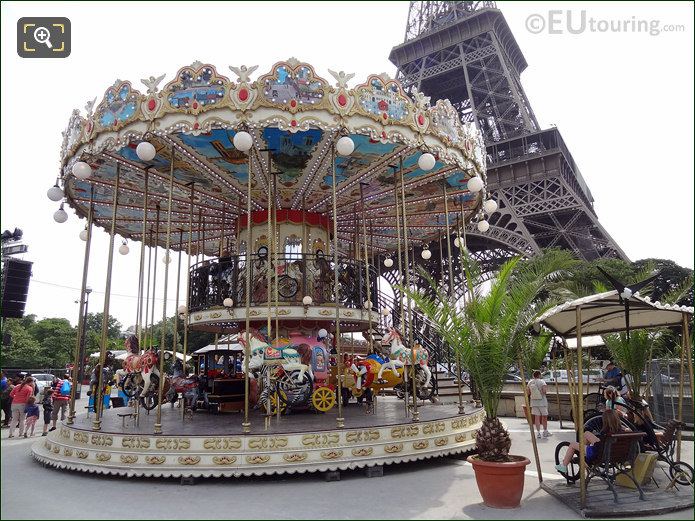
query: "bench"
132, 415
616, 458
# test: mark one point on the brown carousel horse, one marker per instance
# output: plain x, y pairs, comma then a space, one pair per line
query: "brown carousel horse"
142, 376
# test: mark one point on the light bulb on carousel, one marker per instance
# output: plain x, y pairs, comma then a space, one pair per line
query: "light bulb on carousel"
60, 215
55, 193
242, 141
83, 234
385, 312
145, 151
490, 206
123, 249
388, 262
426, 161
426, 253
307, 300
166, 259
228, 303
483, 226
81, 170
345, 146
475, 184
182, 310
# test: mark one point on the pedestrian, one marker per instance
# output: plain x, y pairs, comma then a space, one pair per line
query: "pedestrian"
47, 402
32, 412
536, 389
5, 400
613, 375
20, 397
61, 397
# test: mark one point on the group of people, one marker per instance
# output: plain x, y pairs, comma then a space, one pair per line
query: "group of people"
21, 399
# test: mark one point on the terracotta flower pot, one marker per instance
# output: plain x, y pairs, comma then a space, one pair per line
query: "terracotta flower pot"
501, 484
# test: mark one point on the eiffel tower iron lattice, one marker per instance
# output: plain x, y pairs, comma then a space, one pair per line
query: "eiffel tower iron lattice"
466, 52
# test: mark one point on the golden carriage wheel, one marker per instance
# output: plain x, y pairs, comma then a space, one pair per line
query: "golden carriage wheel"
274, 401
323, 399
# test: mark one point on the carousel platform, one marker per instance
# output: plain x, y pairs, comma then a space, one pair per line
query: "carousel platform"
213, 445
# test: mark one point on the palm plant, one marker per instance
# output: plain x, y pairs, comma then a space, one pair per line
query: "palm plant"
489, 331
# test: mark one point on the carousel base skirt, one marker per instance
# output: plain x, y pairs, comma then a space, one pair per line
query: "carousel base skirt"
213, 445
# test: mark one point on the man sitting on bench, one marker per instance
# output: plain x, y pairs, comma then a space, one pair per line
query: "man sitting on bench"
611, 425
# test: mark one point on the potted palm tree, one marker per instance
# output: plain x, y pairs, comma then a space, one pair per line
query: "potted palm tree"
489, 333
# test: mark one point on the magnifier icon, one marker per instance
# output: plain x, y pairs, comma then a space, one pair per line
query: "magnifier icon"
43, 35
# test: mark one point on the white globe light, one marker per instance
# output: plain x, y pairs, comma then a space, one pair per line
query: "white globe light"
367, 304
182, 309
483, 226
146, 151
307, 300
426, 161
475, 184
490, 206
123, 249
345, 146
54, 193
228, 303
60, 215
243, 141
426, 254
81, 170
388, 262
166, 259
457, 242
386, 312
322, 333
627, 293
83, 234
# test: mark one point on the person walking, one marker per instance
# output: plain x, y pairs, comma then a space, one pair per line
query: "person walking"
536, 389
47, 403
32, 412
61, 397
20, 397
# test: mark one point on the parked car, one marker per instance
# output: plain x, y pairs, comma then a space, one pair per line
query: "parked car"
42, 380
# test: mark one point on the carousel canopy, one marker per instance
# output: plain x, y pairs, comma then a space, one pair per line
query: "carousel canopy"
605, 313
295, 117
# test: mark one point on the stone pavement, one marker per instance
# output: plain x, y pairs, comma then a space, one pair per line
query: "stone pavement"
431, 489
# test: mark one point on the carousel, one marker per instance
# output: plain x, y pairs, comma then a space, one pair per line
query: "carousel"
298, 208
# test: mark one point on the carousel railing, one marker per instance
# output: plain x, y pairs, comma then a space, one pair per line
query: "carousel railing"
298, 275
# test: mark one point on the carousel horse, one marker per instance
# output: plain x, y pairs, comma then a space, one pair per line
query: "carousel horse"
179, 383
142, 365
262, 353
401, 355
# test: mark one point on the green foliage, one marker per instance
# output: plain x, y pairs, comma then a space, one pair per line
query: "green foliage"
490, 331
94, 323
631, 356
534, 349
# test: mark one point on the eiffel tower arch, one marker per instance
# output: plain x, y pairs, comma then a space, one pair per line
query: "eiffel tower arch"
465, 52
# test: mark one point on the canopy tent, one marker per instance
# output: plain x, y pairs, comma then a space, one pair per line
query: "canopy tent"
613, 312
606, 313
587, 341
228, 343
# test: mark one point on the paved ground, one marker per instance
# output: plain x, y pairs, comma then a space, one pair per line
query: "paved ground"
433, 489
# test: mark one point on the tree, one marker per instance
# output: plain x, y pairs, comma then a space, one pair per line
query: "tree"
56, 338
672, 278
24, 351
94, 320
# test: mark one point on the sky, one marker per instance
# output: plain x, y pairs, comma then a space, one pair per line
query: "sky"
623, 101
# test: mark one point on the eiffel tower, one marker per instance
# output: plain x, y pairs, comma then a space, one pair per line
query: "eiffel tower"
465, 51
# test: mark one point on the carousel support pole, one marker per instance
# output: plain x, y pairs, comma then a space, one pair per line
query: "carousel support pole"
162, 349
569, 367
178, 288
580, 411
269, 280
141, 275
340, 421
557, 389
416, 414
99, 398
529, 417
246, 424
681, 381
370, 346
401, 322
276, 247
450, 269
187, 315
80, 320
146, 296
154, 275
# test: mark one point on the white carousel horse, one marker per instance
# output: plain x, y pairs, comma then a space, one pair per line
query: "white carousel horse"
398, 354
262, 353
401, 355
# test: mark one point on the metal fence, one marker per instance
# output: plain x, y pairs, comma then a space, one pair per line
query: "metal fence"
665, 376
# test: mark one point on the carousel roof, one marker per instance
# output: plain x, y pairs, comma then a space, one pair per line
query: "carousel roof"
294, 116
